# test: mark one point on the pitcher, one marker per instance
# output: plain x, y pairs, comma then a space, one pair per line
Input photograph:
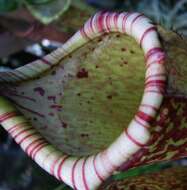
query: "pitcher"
79, 112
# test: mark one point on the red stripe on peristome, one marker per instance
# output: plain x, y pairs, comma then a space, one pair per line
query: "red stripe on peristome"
26, 137
153, 51
160, 91
106, 159
104, 25
7, 115
35, 146
140, 123
21, 132
116, 20
157, 83
134, 20
149, 106
52, 169
108, 22
91, 30
83, 33
124, 21
157, 52
100, 23
133, 140
47, 157
159, 60
45, 61
33, 143
144, 116
83, 175
155, 76
17, 126
59, 176
96, 171
73, 174
109, 19
37, 149
151, 29
160, 86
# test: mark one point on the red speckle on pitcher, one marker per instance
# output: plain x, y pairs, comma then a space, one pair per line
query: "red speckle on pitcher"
83, 73
39, 90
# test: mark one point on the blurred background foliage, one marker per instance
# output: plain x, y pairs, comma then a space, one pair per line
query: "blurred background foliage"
54, 21
170, 13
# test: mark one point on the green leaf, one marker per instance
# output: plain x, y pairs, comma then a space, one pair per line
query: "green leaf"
8, 5
47, 10
78, 13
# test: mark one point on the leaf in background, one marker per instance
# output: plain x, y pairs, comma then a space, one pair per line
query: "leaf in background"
47, 11
8, 5
78, 13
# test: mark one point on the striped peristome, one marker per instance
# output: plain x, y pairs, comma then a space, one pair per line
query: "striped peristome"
88, 173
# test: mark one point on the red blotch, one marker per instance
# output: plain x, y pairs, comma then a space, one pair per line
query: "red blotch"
99, 40
64, 125
56, 107
109, 97
51, 114
84, 135
83, 73
40, 90
118, 35
53, 98
123, 49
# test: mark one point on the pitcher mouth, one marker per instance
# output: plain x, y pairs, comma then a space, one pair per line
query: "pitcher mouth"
133, 138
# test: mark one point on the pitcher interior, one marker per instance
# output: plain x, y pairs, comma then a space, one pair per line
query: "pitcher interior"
82, 104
